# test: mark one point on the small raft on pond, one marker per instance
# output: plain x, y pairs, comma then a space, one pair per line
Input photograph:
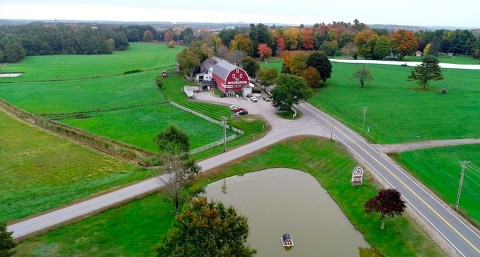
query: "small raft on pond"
287, 240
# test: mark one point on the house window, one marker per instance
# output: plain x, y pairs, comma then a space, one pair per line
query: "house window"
241, 76
233, 75
236, 70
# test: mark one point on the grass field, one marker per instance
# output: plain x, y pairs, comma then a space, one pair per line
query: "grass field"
139, 56
439, 169
137, 126
40, 171
128, 108
132, 229
398, 110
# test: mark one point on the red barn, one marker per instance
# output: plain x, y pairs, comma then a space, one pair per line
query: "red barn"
230, 79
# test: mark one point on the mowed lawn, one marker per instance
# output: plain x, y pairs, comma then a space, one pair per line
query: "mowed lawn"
83, 95
439, 168
136, 227
139, 56
40, 171
137, 126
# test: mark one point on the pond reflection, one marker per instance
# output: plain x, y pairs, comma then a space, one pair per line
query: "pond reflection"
279, 201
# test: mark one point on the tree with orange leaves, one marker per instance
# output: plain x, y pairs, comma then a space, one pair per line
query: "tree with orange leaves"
264, 51
403, 43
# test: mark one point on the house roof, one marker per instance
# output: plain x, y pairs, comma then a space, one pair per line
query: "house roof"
223, 68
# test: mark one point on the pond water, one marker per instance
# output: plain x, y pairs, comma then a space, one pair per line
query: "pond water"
278, 201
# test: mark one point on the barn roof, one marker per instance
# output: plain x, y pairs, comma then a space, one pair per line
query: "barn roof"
223, 68
207, 64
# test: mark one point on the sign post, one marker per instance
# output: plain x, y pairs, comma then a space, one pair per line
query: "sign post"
357, 176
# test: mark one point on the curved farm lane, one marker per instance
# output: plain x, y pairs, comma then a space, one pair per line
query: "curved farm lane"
397, 148
411, 64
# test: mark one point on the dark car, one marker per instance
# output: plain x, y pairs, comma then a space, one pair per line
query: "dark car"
238, 109
242, 112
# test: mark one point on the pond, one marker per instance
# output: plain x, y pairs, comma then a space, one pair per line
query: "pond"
279, 201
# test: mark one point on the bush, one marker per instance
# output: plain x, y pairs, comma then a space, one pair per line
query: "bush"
159, 81
132, 71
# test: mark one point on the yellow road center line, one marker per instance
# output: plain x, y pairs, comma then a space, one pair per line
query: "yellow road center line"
411, 190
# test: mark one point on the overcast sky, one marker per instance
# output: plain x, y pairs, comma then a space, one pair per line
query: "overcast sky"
463, 13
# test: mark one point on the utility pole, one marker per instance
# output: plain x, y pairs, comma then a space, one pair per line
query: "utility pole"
364, 109
331, 130
224, 119
463, 165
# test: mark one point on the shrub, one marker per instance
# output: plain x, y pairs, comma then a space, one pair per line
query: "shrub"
159, 81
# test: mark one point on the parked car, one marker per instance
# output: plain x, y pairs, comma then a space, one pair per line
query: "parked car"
238, 109
267, 99
253, 99
234, 106
242, 112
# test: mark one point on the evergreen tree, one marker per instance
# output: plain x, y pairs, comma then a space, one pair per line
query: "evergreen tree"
426, 71
14, 51
6, 242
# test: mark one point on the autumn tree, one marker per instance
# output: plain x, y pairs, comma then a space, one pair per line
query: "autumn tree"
387, 202
290, 90
291, 37
189, 61
382, 48
147, 36
174, 145
320, 62
267, 76
403, 43
168, 36
298, 63
6, 242
264, 51
428, 70
365, 43
312, 77
207, 229
243, 43
362, 74
250, 66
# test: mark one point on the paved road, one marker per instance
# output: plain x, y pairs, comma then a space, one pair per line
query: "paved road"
281, 129
464, 240
457, 233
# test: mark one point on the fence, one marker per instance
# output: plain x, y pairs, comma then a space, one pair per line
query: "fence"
103, 144
238, 131
211, 145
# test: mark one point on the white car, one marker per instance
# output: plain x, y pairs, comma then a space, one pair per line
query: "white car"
234, 106
253, 99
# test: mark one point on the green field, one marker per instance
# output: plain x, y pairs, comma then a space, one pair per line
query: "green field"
137, 126
398, 110
40, 171
128, 108
439, 169
134, 228
139, 56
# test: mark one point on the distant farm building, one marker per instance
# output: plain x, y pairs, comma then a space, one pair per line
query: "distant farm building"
418, 53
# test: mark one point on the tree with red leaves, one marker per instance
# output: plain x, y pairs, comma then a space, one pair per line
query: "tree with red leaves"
387, 202
264, 51
403, 43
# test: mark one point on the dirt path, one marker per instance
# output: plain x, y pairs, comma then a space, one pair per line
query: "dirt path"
395, 148
412, 64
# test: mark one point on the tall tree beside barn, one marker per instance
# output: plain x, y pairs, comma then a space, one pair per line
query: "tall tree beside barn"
290, 90
403, 43
250, 66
